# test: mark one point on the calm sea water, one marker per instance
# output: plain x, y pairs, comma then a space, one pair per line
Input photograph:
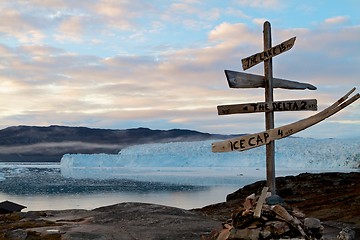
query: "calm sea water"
40, 186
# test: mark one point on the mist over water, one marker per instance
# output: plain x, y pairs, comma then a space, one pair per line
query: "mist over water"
55, 147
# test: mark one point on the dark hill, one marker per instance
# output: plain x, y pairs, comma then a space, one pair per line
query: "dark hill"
30, 143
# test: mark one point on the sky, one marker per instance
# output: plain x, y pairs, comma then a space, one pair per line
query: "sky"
159, 64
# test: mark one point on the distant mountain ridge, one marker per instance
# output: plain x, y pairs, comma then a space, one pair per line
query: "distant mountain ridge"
48, 144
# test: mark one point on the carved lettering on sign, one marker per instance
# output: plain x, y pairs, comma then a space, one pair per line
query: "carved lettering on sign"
249, 141
289, 105
267, 54
258, 139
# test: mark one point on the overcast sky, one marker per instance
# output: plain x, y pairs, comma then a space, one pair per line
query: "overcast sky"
160, 64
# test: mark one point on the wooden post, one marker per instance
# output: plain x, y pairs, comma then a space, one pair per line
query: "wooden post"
268, 137
269, 116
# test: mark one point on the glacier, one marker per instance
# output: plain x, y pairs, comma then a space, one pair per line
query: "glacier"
194, 163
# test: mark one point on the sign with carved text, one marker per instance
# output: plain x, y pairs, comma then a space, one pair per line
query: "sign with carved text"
289, 105
269, 106
267, 54
258, 139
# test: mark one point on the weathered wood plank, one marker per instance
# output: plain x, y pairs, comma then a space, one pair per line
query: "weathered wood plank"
267, 54
288, 105
260, 202
258, 139
246, 80
269, 116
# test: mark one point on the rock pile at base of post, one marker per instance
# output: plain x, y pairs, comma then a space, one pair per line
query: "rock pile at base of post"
269, 219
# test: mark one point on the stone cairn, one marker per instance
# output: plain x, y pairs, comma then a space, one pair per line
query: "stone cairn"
268, 217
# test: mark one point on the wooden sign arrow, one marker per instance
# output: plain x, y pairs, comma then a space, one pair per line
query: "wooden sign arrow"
246, 80
258, 139
289, 105
267, 54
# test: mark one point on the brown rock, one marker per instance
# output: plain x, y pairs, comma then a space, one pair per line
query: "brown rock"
18, 234
333, 198
281, 211
249, 202
312, 223
120, 221
245, 234
265, 234
346, 234
277, 228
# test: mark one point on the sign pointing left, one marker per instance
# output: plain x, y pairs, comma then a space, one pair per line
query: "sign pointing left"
258, 139
267, 54
289, 105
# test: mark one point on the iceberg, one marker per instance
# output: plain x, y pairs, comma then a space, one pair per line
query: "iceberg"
194, 163
2, 177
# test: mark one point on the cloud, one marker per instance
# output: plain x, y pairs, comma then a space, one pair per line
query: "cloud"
32, 23
22, 27
232, 35
355, 122
194, 8
138, 87
71, 29
272, 4
336, 20
259, 21
129, 78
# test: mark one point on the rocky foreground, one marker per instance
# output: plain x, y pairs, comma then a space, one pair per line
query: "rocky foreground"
333, 198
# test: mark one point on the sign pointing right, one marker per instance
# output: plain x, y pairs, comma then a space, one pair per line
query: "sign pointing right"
267, 54
247, 80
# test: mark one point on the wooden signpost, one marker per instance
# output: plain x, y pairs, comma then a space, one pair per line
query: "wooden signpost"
258, 139
246, 80
268, 137
269, 51
289, 105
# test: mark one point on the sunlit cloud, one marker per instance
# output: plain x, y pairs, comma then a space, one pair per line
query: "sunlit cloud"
259, 21
70, 29
355, 122
17, 25
336, 20
111, 64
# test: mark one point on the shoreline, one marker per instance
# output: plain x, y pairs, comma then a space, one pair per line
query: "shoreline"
334, 198
52, 191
